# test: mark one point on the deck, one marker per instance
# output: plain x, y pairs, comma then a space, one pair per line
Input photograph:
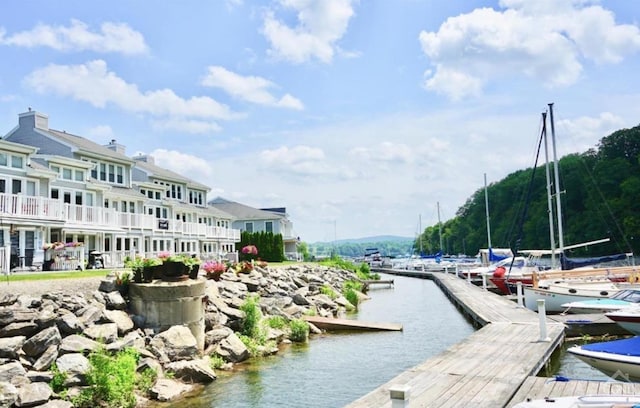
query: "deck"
488, 368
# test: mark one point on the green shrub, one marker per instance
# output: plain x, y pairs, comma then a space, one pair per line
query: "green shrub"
58, 379
299, 330
252, 316
277, 322
145, 380
352, 296
111, 379
328, 290
216, 361
311, 312
353, 285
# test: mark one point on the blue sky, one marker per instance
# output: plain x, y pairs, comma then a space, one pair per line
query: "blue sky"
359, 117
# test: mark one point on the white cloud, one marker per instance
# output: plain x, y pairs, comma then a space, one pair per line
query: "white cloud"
93, 83
397, 153
583, 131
101, 133
193, 167
111, 38
320, 24
545, 40
248, 88
193, 126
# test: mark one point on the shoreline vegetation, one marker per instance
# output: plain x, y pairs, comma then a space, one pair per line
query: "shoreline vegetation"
81, 346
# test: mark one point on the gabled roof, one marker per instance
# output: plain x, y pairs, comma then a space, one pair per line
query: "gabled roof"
87, 147
241, 211
160, 173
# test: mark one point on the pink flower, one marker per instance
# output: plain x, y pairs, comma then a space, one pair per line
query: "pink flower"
250, 249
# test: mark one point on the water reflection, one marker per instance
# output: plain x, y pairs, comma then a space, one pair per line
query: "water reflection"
333, 370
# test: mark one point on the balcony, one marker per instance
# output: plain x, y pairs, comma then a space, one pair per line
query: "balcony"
55, 212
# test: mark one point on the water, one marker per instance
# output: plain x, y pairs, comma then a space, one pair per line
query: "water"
333, 370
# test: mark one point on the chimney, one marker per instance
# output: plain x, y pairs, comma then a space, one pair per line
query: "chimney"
33, 119
144, 158
116, 147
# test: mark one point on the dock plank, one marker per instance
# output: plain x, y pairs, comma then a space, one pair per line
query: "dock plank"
488, 367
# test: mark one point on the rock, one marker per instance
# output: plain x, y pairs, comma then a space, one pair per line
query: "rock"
199, 370
38, 343
105, 333
232, 349
47, 358
75, 365
166, 389
11, 370
33, 394
76, 343
69, 323
26, 329
10, 346
8, 394
178, 343
121, 319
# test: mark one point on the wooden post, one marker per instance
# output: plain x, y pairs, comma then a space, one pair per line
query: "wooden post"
520, 294
399, 396
542, 316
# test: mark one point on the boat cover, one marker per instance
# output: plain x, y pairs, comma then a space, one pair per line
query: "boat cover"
626, 347
568, 263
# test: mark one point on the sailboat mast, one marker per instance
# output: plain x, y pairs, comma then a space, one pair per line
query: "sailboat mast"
557, 181
552, 238
486, 205
440, 227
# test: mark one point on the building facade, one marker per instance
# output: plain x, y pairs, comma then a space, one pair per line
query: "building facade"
64, 198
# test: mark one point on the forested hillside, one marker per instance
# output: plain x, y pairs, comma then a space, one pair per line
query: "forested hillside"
600, 199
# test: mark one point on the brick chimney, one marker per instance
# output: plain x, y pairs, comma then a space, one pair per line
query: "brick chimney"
144, 158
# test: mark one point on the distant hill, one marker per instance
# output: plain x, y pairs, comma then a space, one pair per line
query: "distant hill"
378, 238
389, 245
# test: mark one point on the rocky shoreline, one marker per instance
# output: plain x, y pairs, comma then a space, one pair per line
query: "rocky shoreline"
41, 328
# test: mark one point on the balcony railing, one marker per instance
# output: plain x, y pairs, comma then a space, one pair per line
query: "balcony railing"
42, 208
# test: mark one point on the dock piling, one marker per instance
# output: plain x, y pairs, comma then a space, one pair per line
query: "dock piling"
399, 396
542, 317
520, 295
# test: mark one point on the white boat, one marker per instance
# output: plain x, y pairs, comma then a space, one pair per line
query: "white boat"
556, 294
619, 359
622, 300
628, 319
584, 401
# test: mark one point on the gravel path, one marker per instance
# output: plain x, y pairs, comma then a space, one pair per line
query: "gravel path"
40, 287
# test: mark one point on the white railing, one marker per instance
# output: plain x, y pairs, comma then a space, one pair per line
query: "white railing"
42, 208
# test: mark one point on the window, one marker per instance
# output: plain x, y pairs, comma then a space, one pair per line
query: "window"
17, 162
78, 175
66, 197
3, 159
3, 186
78, 197
66, 174
268, 226
31, 188
55, 169
55, 194
119, 175
94, 170
248, 226
16, 186
103, 172
132, 207
112, 173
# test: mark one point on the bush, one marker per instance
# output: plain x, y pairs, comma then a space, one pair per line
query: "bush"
252, 316
328, 290
352, 296
277, 322
299, 330
216, 361
111, 379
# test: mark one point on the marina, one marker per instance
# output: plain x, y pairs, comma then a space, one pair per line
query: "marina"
495, 366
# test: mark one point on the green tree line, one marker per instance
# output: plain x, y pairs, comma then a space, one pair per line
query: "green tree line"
600, 198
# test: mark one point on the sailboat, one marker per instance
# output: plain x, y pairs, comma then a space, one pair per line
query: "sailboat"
507, 278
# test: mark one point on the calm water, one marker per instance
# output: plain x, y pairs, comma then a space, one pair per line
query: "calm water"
333, 370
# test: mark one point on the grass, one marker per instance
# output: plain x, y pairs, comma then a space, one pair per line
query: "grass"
37, 276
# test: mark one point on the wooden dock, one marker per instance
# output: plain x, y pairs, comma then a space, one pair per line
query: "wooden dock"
331, 324
489, 367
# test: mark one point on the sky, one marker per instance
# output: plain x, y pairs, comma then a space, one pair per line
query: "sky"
362, 118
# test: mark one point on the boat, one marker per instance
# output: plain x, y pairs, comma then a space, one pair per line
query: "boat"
619, 359
556, 294
622, 300
584, 401
628, 319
